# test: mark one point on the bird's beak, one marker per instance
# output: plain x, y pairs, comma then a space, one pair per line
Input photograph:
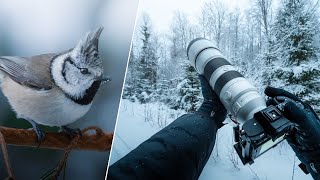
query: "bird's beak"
103, 78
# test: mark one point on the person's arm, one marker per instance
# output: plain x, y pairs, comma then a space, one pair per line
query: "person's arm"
305, 139
180, 150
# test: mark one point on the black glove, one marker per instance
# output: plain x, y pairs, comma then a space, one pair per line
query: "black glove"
211, 106
305, 139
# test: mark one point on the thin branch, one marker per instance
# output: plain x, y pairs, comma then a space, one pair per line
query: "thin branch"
253, 172
294, 166
98, 141
5, 156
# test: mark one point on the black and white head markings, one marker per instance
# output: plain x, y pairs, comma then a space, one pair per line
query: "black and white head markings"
79, 71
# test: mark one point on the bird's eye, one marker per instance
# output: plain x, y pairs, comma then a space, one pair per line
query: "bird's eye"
84, 70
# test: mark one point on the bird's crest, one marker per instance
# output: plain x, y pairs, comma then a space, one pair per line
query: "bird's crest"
88, 45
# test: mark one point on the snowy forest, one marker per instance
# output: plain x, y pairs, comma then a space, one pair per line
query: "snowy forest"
271, 42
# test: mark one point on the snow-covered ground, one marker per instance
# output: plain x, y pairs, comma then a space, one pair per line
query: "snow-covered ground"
137, 122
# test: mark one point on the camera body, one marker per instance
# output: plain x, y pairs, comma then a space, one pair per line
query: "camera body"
265, 130
261, 127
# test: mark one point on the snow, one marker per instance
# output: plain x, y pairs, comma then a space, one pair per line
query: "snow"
297, 70
137, 122
144, 95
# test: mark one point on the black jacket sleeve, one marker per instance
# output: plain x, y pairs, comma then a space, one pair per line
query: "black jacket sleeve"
179, 151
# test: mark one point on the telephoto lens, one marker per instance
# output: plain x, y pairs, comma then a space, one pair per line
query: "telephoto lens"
262, 127
236, 93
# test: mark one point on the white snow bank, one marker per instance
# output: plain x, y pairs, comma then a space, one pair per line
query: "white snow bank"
137, 122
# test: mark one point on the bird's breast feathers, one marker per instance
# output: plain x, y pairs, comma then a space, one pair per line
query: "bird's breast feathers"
49, 107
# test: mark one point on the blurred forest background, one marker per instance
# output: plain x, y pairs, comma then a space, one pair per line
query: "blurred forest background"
271, 42
35, 27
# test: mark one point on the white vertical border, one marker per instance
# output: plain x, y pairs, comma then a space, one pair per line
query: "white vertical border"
124, 81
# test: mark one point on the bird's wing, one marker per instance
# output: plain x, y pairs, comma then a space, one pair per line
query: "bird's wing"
33, 72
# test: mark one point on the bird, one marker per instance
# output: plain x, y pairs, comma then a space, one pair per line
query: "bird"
54, 89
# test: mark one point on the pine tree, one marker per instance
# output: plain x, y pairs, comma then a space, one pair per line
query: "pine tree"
295, 32
190, 91
147, 64
130, 85
295, 66
186, 93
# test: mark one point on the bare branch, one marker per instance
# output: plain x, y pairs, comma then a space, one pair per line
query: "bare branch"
98, 141
5, 156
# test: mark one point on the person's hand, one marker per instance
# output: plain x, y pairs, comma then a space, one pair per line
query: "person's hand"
305, 139
211, 106
303, 115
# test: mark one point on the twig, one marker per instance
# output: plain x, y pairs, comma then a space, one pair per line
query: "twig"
55, 173
293, 168
63, 161
5, 156
253, 172
99, 141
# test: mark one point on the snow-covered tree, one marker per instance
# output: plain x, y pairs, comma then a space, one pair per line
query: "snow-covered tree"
147, 63
294, 34
214, 20
130, 85
190, 90
185, 94
295, 65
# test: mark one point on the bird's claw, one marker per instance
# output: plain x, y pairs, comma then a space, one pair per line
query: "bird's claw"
71, 132
40, 134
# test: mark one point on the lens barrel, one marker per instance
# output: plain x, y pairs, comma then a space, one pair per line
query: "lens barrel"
236, 93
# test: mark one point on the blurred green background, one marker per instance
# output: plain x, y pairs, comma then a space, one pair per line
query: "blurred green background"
35, 27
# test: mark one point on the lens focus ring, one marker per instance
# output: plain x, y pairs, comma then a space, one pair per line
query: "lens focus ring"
237, 94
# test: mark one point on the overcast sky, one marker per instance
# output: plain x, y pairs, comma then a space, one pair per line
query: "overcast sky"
161, 11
